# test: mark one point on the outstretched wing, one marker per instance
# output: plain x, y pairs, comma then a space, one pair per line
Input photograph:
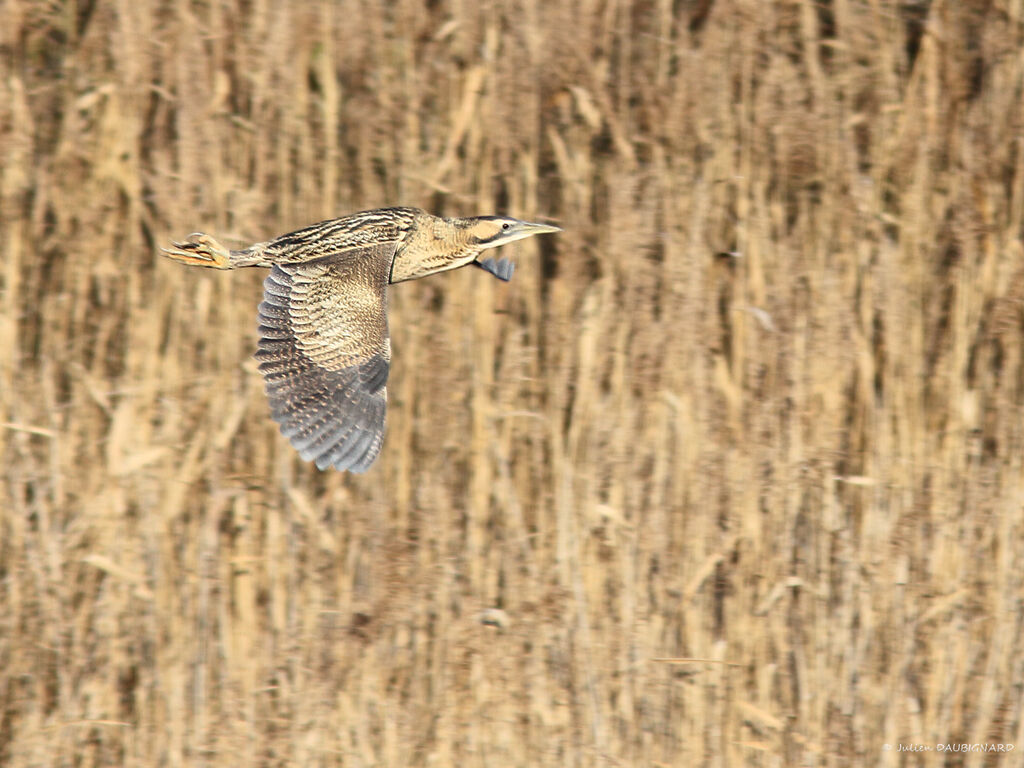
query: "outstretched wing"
325, 354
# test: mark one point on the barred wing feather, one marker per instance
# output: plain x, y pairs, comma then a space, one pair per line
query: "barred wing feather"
324, 354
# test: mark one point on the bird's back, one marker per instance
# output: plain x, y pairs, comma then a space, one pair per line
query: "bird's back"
333, 238
336, 236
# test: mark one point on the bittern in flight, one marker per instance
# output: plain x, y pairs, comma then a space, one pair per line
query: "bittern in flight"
324, 350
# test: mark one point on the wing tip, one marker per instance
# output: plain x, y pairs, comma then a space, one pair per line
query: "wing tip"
500, 268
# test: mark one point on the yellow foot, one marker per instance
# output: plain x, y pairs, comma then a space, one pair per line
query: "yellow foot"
201, 251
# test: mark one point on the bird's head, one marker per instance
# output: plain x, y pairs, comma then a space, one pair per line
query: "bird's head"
491, 231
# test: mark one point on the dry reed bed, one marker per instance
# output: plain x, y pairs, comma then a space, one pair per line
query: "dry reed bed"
738, 455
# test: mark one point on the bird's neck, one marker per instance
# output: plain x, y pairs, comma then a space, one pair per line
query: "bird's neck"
436, 245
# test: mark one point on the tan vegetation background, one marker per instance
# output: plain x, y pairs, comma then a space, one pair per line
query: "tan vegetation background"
729, 474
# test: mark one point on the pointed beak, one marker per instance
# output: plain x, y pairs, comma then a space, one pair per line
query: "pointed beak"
518, 231
529, 228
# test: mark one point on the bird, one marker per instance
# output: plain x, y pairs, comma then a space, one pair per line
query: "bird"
324, 350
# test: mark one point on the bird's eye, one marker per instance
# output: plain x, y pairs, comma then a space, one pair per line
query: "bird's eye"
506, 225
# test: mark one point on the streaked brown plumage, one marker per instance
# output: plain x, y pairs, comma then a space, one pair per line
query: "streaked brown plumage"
324, 350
